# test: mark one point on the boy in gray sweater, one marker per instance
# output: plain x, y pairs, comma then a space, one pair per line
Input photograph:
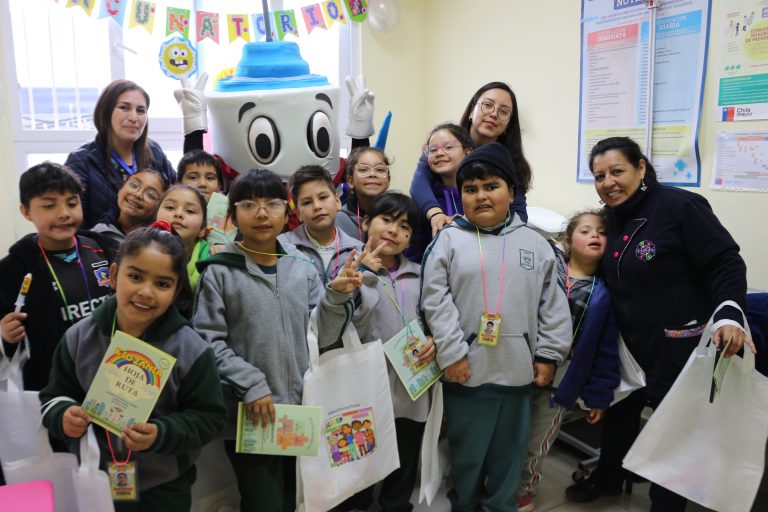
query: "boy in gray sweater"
490, 267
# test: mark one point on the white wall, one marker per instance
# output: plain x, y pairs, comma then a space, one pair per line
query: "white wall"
443, 50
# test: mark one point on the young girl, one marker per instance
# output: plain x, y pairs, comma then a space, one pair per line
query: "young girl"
446, 147
147, 276
389, 300
253, 304
367, 177
184, 208
592, 371
137, 202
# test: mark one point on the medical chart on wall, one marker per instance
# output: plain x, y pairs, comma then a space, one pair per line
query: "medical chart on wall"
615, 75
743, 78
741, 161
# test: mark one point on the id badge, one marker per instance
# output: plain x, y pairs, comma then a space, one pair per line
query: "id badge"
123, 481
490, 329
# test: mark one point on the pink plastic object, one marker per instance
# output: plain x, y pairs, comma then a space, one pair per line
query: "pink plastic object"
34, 496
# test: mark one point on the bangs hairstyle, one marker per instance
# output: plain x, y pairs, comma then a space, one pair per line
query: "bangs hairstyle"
198, 196
256, 183
480, 170
201, 158
354, 156
308, 174
47, 177
567, 235
631, 151
395, 204
457, 131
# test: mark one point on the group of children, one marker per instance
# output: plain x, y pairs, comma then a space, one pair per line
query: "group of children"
247, 325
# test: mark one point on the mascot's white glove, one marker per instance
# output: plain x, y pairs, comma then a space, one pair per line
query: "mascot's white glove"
360, 120
191, 99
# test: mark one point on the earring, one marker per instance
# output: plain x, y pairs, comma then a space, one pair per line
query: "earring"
643, 186
601, 202
470, 120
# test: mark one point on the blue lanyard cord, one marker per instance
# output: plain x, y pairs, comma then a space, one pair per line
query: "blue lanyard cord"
130, 169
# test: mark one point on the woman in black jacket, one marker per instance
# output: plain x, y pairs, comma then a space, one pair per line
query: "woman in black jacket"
120, 149
668, 264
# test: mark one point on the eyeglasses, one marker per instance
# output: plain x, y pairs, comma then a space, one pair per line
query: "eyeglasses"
150, 195
275, 207
365, 169
431, 149
488, 108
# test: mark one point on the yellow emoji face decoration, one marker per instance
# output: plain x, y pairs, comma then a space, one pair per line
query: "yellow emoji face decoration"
178, 58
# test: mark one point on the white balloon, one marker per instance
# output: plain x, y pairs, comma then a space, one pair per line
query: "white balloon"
383, 15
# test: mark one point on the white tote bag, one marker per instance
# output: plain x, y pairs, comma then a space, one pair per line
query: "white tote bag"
710, 453
76, 487
433, 463
632, 376
359, 444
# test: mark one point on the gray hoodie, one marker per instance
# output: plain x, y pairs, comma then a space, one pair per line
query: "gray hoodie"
300, 239
535, 318
258, 331
348, 221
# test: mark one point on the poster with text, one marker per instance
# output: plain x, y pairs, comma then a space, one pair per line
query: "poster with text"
743, 79
615, 76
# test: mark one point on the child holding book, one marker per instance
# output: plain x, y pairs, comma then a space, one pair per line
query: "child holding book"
318, 237
70, 272
488, 266
367, 170
253, 305
387, 303
147, 276
592, 371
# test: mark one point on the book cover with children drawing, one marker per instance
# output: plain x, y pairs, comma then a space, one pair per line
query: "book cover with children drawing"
127, 384
351, 435
296, 431
403, 351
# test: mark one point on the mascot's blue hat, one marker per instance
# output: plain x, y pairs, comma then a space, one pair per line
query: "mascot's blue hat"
270, 65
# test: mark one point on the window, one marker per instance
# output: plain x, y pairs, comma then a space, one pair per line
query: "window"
61, 58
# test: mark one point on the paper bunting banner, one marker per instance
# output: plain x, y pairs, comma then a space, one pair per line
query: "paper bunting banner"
142, 15
357, 10
313, 17
114, 9
177, 20
237, 24
87, 5
207, 26
285, 23
259, 27
178, 58
333, 12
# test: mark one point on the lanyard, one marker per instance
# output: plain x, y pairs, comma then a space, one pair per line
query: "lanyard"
482, 270
568, 286
359, 230
130, 169
109, 435
400, 307
450, 201
58, 283
318, 246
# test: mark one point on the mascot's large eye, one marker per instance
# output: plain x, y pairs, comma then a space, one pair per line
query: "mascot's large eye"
263, 140
319, 134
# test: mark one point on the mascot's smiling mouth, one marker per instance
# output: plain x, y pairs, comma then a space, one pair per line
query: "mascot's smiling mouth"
181, 64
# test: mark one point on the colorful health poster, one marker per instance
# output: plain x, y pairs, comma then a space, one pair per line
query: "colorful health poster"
616, 76
743, 85
741, 161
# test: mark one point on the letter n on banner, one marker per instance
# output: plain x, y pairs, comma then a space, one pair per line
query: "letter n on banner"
313, 17
285, 21
207, 26
177, 20
333, 12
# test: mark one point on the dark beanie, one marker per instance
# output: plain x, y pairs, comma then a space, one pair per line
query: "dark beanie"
494, 154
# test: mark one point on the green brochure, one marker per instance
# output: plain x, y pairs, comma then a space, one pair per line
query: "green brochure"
223, 230
128, 383
403, 351
296, 431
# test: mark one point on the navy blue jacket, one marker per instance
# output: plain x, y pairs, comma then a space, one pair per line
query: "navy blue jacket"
668, 264
101, 182
594, 370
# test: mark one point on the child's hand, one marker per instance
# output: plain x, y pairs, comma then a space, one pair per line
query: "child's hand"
370, 258
428, 352
595, 415
439, 220
75, 422
459, 371
215, 249
11, 327
543, 373
348, 278
140, 436
263, 409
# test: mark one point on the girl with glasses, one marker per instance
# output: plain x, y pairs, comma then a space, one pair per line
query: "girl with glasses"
367, 170
490, 116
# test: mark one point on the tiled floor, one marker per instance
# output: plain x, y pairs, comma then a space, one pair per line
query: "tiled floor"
558, 467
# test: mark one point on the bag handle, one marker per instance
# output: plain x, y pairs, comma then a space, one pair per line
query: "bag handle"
11, 369
349, 339
709, 333
89, 452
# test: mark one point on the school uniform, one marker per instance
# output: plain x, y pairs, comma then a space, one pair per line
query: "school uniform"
327, 260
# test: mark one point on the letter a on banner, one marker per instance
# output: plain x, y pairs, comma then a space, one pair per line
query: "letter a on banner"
87, 5
237, 24
142, 15
285, 21
177, 20
114, 9
333, 12
313, 17
207, 26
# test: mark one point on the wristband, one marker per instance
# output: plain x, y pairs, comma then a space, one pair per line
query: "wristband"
436, 213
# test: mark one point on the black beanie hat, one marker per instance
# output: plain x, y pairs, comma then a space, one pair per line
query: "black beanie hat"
494, 154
